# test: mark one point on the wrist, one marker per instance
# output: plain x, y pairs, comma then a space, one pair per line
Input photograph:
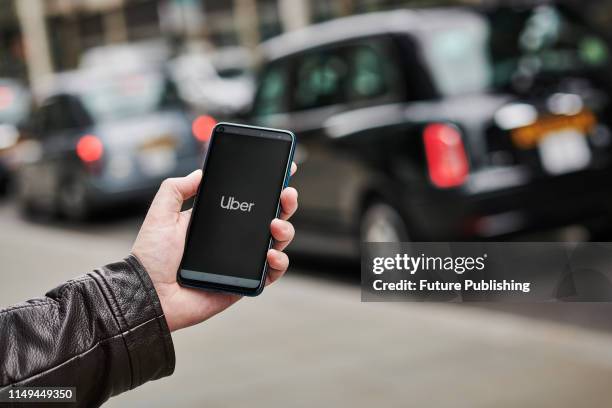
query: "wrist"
165, 294
160, 289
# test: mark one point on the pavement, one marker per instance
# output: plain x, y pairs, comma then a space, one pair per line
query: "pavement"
309, 341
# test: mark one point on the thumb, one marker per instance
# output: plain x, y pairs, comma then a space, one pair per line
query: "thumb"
173, 191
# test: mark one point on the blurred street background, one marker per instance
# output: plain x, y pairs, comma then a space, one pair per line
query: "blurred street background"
309, 341
416, 120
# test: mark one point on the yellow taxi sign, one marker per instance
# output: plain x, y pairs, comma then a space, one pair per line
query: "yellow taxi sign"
527, 137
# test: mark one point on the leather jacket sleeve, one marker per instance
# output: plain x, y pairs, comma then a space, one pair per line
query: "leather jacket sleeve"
103, 333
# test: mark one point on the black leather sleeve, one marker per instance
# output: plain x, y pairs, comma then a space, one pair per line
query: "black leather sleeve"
103, 333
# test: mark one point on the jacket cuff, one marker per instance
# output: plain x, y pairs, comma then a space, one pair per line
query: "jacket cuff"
141, 320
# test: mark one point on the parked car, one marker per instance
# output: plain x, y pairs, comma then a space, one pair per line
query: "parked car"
215, 82
102, 140
442, 124
15, 104
122, 56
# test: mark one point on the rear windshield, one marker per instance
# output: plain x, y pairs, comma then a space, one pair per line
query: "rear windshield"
489, 54
125, 96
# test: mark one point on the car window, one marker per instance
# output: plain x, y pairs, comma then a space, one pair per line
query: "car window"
79, 117
54, 116
373, 72
37, 122
543, 40
43, 120
62, 112
458, 58
507, 44
272, 94
123, 96
320, 79
170, 97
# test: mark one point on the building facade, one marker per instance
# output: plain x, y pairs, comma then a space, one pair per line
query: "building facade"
51, 35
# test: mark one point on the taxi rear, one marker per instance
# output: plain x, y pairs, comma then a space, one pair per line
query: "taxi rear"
553, 172
107, 139
452, 124
522, 138
144, 135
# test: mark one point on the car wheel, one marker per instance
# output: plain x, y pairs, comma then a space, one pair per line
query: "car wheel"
72, 200
381, 222
27, 208
25, 202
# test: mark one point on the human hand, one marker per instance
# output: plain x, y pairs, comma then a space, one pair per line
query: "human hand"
161, 240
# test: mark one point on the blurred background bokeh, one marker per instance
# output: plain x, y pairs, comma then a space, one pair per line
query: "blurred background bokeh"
416, 120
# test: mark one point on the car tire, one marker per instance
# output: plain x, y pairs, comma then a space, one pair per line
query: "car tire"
26, 204
72, 202
28, 209
381, 222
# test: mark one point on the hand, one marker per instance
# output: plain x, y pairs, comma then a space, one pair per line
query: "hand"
161, 240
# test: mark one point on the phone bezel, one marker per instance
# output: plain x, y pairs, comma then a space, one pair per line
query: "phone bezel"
254, 131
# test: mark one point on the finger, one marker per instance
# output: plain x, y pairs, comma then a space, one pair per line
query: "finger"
282, 232
186, 216
273, 276
173, 191
278, 262
293, 168
289, 202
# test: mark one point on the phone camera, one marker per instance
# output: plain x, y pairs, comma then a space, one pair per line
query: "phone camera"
221, 129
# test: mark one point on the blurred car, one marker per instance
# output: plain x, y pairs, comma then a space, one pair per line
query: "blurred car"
215, 83
101, 140
442, 124
15, 104
126, 56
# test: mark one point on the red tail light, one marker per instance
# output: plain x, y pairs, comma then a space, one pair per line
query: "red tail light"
202, 127
446, 158
89, 148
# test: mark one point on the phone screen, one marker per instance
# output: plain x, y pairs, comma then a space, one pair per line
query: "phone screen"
229, 232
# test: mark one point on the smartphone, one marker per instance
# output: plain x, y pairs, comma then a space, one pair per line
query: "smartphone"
244, 172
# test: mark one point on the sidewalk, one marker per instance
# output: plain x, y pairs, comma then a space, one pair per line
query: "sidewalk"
308, 344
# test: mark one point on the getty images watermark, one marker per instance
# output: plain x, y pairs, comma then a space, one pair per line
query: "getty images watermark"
491, 271
459, 265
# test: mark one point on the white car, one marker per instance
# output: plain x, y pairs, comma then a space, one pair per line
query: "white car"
214, 82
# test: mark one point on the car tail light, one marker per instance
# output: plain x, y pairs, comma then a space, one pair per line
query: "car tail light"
446, 158
202, 127
89, 148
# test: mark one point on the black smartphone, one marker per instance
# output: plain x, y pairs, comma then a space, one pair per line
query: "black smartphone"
244, 172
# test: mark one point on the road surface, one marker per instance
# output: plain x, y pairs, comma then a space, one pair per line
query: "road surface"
310, 342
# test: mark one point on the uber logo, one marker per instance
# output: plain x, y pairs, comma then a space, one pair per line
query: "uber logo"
232, 204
